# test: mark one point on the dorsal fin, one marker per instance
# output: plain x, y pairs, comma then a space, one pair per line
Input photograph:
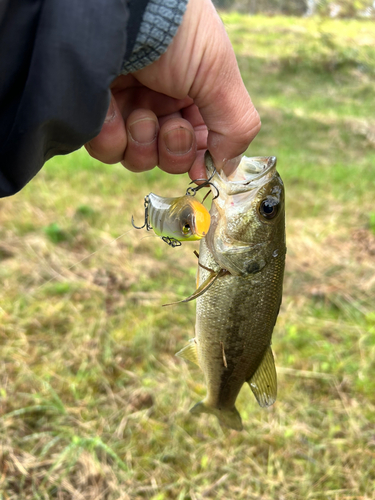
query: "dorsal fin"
264, 381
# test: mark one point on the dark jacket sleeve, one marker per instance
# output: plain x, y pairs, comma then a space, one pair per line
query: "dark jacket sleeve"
57, 61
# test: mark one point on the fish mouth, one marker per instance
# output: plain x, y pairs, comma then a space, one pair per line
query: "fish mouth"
252, 169
251, 173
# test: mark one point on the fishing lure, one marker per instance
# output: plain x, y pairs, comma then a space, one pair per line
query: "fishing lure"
177, 219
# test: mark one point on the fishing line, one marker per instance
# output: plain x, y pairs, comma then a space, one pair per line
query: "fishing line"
85, 258
149, 236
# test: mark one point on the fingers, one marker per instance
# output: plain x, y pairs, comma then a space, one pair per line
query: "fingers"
177, 146
141, 152
192, 115
111, 142
144, 141
172, 148
198, 169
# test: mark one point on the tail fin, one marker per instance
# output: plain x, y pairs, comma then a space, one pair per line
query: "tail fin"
227, 418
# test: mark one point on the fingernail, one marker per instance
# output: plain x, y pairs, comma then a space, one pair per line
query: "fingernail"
111, 113
143, 131
179, 140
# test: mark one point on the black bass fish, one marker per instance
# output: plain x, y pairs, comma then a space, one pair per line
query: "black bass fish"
240, 278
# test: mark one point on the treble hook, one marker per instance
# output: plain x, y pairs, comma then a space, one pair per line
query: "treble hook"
172, 242
147, 223
206, 182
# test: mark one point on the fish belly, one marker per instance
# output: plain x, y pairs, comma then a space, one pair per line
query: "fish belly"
234, 323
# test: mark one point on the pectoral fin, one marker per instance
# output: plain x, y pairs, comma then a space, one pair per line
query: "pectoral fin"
264, 381
202, 288
189, 352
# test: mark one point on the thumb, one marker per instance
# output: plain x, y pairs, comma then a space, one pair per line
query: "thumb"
221, 96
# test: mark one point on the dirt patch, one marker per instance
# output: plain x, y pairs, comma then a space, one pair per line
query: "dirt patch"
339, 264
364, 241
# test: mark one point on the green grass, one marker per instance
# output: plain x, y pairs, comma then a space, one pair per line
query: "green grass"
93, 402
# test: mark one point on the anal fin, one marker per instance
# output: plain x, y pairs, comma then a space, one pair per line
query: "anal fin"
264, 381
189, 352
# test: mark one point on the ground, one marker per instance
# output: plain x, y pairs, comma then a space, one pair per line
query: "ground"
93, 402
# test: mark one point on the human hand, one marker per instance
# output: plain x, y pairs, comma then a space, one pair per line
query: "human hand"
189, 100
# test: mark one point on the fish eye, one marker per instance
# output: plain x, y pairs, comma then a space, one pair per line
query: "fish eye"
268, 209
186, 228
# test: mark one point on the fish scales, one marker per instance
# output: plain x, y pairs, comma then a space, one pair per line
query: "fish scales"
236, 312
240, 276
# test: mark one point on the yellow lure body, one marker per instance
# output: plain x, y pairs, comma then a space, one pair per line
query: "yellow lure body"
183, 218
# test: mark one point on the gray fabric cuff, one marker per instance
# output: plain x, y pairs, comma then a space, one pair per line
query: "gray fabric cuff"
159, 25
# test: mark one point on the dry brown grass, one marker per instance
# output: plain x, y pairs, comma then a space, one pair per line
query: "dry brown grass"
93, 402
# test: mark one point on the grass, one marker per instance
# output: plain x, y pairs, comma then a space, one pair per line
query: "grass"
93, 402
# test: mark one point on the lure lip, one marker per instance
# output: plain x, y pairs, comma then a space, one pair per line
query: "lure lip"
201, 220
